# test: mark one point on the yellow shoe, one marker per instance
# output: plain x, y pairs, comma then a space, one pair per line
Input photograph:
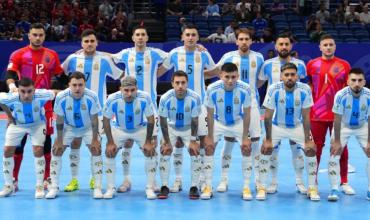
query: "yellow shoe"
261, 194
92, 182
247, 194
207, 193
72, 186
313, 194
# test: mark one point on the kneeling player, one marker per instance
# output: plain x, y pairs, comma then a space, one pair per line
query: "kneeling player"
133, 112
27, 107
77, 110
179, 109
228, 105
351, 109
288, 106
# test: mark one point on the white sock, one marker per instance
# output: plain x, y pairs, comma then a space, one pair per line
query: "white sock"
247, 169
256, 154
226, 158
311, 166
164, 168
202, 153
298, 163
274, 165
368, 173
97, 170
150, 170
8, 166
55, 168
177, 161
196, 168
126, 161
208, 169
74, 158
264, 169
40, 170
110, 170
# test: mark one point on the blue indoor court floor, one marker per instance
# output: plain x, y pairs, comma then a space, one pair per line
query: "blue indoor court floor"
286, 204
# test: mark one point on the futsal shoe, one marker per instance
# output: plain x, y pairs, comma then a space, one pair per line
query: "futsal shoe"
222, 187
272, 188
301, 188
72, 186
247, 194
347, 189
39, 193
150, 194
7, 191
194, 193
98, 194
177, 186
52, 194
261, 194
125, 186
92, 182
109, 194
313, 194
163, 194
333, 196
207, 193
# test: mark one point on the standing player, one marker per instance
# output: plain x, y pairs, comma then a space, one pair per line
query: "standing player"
134, 115
249, 65
351, 118
228, 106
141, 62
40, 64
77, 110
28, 108
96, 66
271, 72
327, 75
179, 109
189, 59
287, 115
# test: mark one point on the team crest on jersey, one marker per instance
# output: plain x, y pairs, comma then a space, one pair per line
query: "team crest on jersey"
147, 60
275, 70
297, 102
137, 111
197, 59
96, 66
336, 70
363, 107
69, 108
18, 111
47, 59
220, 100
348, 107
83, 107
236, 100
254, 64
36, 109
121, 111
187, 109
80, 66
182, 60
282, 101
173, 109
131, 60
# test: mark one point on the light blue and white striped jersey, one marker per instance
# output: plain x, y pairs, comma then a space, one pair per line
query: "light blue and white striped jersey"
128, 115
28, 112
179, 111
96, 68
271, 69
354, 110
288, 105
228, 105
193, 63
249, 67
77, 112
144, 66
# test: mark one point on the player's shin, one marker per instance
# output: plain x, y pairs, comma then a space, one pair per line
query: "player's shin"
74, 158
333, 171
97, 170
40, 170
177, 162
55, 168
196, 167
164, 168
110, 171
247, 169
8, 166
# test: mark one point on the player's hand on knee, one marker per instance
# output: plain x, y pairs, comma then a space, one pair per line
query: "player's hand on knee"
336, 148
58, 147
267, 147
209, 143
246, 146
194, 148
95, 146
149, 149
111, 150
310, 148
166, 148
179, 143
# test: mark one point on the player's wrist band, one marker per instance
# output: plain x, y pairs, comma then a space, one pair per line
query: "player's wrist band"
12, 86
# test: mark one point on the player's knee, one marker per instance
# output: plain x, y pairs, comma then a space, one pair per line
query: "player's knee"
76, 143
166, 151
19, 150
310, 152
246, 151
9, 151
179, 143
96, 151
210, 149
128, 144
38, 151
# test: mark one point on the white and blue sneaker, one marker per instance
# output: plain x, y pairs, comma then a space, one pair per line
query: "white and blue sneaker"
334, 195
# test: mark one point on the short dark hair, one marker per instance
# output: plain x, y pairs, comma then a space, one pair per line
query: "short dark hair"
244, 31
76, 75
25, 82
289, 66
189, 26
325, 37
285, 35
179, 73
37, 26
229, 67
357, 71
88, 32
139, 27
